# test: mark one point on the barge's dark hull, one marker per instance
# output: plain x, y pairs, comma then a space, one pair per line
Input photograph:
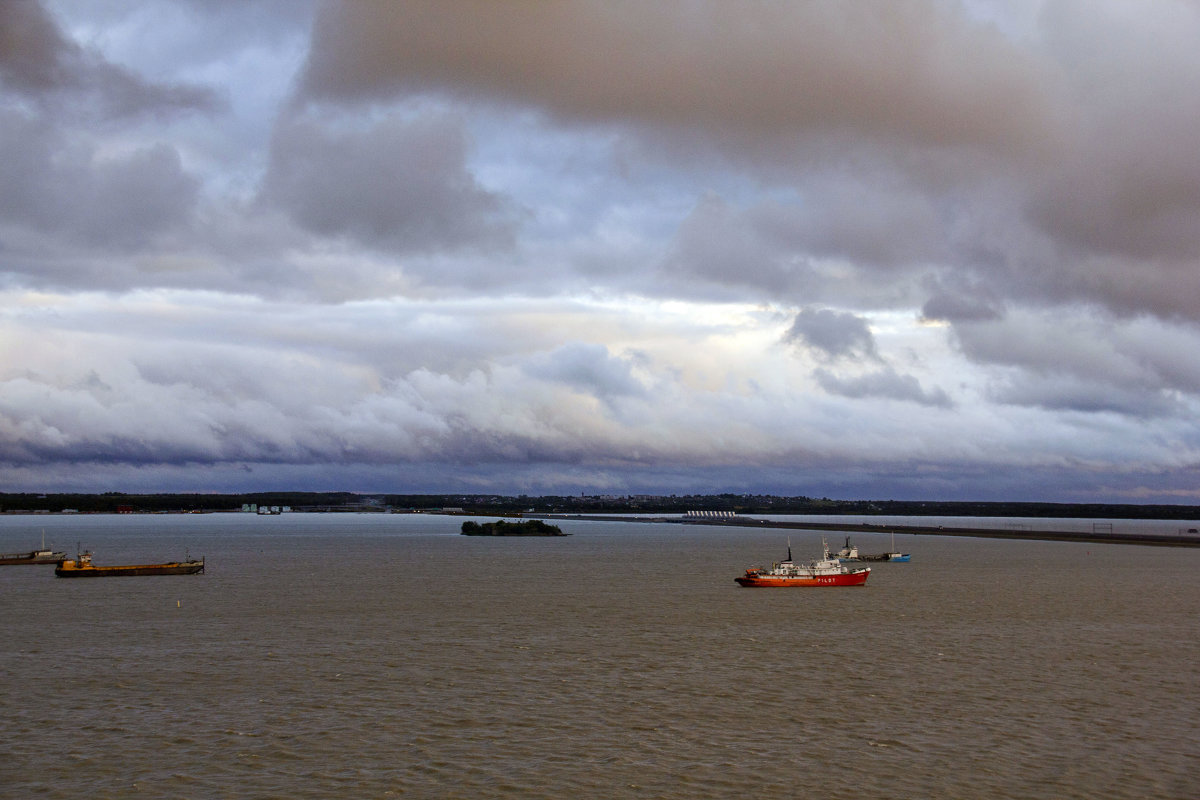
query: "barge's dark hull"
7, 559
173, 568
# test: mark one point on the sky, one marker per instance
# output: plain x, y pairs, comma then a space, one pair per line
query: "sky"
919, 249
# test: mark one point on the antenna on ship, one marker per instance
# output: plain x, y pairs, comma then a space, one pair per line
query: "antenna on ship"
789, 548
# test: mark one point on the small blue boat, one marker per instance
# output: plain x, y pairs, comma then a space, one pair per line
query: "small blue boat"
897, 556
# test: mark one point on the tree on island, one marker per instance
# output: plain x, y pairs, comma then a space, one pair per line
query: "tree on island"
527, 527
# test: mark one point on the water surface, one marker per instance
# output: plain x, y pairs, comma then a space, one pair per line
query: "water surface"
385, 655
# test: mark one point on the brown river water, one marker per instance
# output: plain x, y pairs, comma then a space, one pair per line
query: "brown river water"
376, 656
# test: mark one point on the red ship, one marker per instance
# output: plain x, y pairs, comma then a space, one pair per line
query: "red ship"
826, 571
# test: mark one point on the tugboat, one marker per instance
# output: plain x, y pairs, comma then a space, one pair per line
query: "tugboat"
850, 553
82, 567
826, 571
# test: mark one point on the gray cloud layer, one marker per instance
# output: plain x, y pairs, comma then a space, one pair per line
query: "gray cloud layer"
400, 186
916, 102
913, 248
914, 70
39, 62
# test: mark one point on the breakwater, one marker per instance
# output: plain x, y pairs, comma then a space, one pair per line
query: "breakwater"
1187, 538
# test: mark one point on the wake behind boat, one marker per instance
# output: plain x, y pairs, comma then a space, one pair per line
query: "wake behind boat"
825, 571
82, 567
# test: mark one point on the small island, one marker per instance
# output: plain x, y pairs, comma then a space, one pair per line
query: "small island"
526, 527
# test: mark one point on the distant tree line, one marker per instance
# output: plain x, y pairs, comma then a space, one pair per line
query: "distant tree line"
743, 504
113, 502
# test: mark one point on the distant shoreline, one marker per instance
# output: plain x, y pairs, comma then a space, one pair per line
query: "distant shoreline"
1187, 537
744, 505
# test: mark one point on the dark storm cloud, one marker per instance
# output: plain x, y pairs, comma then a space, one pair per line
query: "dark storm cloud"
714, 243
130, 199
774, 247
835, 336
1087, 365
71, 192
883, 225
1130, 185
914, 134
832, 334
397, 185
915, 70
34, 55
120, 201
1072, 393
846, 106
885, 383
962, 304
38, 61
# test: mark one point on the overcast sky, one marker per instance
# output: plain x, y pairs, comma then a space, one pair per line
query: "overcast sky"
908, 249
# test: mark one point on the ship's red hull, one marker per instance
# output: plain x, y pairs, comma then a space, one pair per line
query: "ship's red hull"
761, 580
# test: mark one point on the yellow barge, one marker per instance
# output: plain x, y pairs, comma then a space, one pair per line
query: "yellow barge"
82, 567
